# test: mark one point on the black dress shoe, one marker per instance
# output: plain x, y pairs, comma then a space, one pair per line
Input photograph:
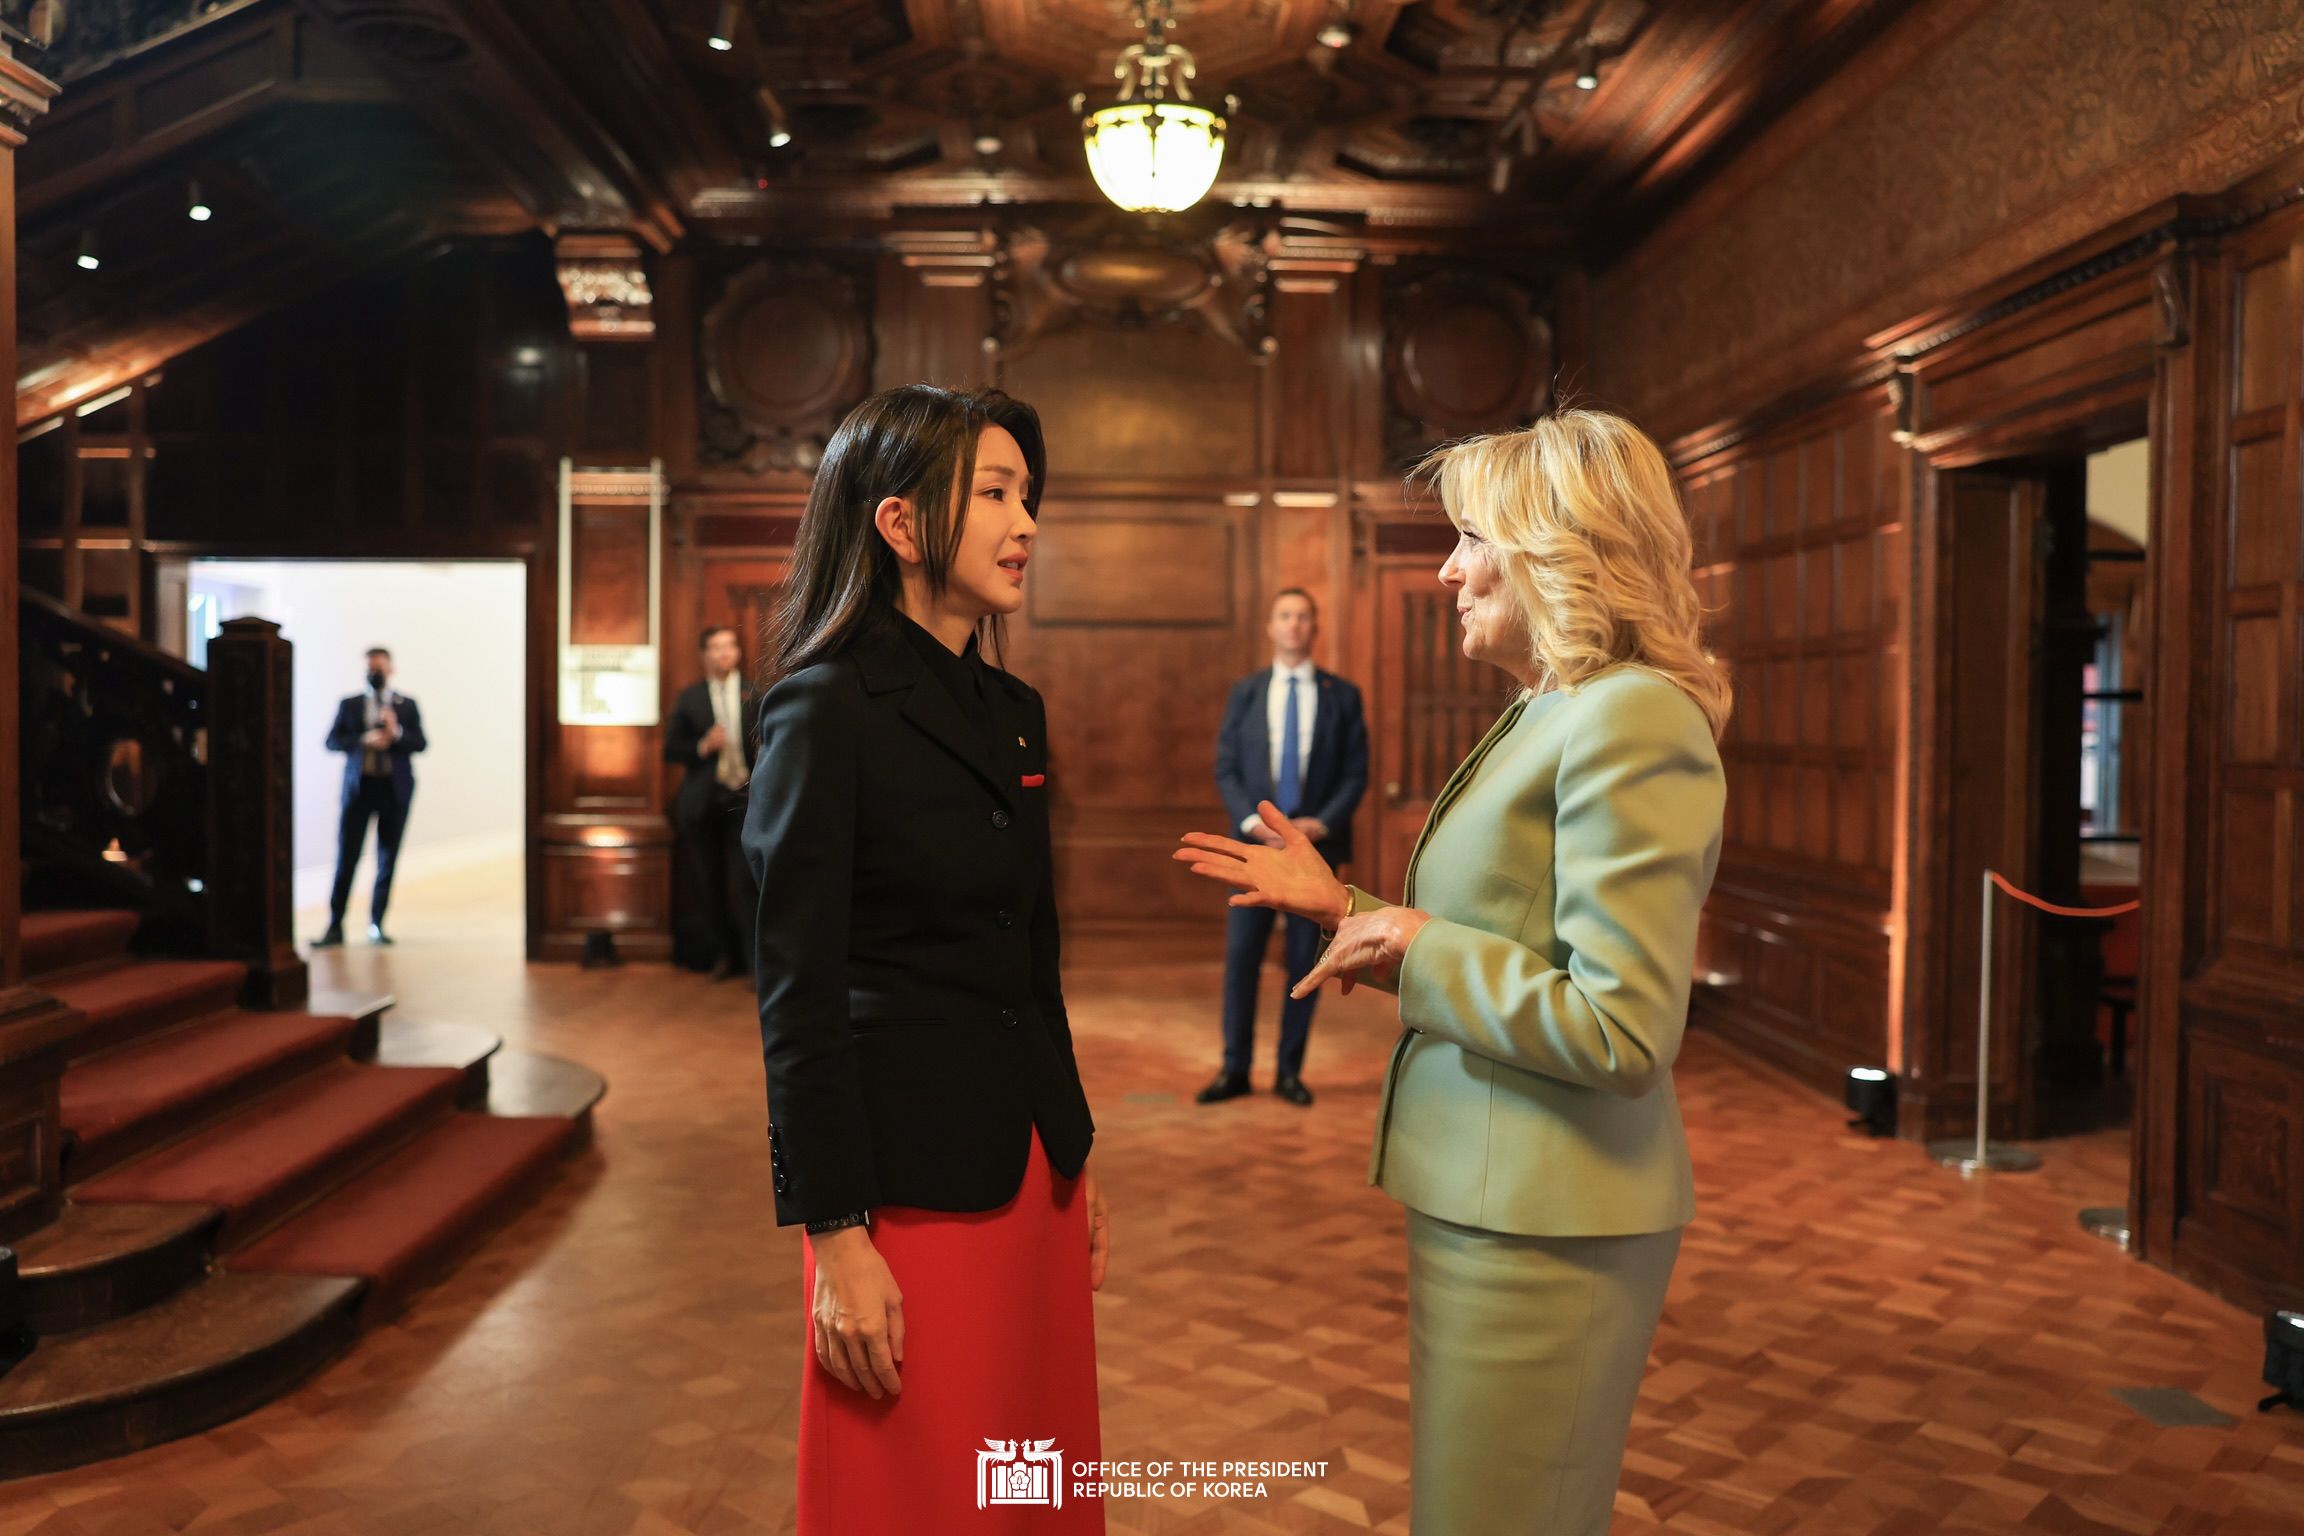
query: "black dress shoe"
377, 935
1228, 1085
332, 939
1292, 1089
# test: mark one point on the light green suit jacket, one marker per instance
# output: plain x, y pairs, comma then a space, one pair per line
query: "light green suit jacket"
1564, 865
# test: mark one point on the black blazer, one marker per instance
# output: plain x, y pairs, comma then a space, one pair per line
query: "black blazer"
911, 1016
1335, 770
691, 720
352, 723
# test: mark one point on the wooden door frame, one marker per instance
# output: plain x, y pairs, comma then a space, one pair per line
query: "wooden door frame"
2074, 374
2019, 444
1948, 896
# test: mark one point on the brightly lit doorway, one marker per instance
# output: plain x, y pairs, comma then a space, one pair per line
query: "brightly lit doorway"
457, 631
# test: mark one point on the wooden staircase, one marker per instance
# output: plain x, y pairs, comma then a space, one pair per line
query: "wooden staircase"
247, 1190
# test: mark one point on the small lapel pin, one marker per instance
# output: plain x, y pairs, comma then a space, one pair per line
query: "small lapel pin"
1034, 780
1019, 741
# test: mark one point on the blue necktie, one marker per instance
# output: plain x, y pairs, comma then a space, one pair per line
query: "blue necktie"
1291, 785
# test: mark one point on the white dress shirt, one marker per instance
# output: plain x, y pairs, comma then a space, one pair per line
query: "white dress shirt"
373, 762
728, 714
1276, 720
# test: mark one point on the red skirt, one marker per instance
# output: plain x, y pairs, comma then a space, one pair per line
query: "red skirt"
999, 1372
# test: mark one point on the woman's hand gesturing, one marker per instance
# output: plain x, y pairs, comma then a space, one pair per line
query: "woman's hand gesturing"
1287, 877
1368, 947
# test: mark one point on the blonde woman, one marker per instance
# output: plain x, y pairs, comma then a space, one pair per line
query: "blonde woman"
1542, 953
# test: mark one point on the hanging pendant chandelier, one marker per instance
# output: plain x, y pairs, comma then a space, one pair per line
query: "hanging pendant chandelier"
1154, 150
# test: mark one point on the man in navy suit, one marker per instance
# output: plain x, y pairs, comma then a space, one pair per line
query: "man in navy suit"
1293, 735
377, 730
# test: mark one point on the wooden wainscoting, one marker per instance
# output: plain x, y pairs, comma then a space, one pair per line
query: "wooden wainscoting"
1141, 615
1800, 559
1798, 979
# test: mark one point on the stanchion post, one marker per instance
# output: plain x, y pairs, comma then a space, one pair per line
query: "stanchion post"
1984, 990
1983, 1157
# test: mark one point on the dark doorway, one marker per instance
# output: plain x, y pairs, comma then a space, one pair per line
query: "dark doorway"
2045, 583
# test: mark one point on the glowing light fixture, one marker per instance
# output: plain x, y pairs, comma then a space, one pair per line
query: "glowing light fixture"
2283, 1360
723, 36
779, 124
1871, 1093
1587, 68
1154, 150
87, 260
196, 207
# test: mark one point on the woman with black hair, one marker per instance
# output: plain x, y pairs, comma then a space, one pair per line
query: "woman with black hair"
927, 1123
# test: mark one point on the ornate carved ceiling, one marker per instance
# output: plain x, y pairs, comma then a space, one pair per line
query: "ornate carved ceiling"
1447, 112
341, 131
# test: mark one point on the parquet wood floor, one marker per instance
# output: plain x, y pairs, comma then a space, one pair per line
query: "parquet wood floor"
1857, 1343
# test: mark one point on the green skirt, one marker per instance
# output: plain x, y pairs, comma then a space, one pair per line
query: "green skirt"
1524, 1358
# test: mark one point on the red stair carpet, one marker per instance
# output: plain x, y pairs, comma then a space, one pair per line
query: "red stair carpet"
242, 1194
397, 1225
125, 1100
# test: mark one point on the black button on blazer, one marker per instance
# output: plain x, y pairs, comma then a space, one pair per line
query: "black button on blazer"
911, 1015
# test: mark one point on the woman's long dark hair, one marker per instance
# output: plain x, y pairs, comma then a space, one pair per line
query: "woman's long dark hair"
916, 441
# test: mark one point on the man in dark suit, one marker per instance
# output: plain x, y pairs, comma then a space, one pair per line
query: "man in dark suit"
713, 735
1295, 736
377, 730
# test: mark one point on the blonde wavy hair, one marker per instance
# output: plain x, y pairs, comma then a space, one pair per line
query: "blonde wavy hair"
1582, 508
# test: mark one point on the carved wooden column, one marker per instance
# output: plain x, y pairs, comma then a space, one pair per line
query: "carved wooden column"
252, 812
935, 308
1307, 526
603, 864
31, 1022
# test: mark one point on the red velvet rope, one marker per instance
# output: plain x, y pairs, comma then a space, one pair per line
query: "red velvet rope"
2048, 906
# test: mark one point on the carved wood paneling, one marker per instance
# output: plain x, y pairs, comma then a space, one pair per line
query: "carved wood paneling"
1167, 401
2235, 1161
1464, 352
622, 888
2243, 1197
1312, 335
1800, 559
935, 312
1135, 570
786, 351
1156, 614
1868, 202
1428, 705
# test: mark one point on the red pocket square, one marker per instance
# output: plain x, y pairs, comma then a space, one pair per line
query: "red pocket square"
1034, 780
